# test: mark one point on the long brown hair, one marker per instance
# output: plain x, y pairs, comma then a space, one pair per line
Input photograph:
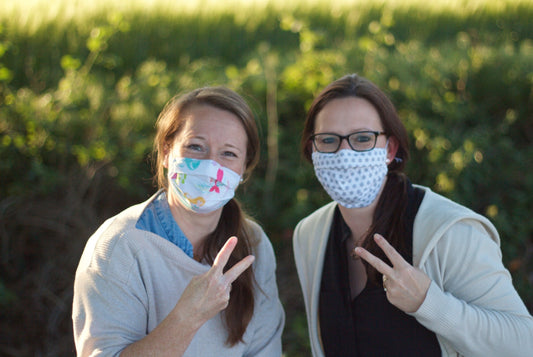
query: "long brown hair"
232, 221
389, 215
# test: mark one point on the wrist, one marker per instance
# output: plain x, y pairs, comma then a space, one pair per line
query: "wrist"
186, 319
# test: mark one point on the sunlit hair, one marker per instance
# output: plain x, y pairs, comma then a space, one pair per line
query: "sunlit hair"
232, 221
389, 215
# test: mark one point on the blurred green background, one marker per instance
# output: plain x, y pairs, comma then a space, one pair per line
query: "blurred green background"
82, 84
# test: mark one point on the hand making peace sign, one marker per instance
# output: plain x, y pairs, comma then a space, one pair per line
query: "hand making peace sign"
208, 294
406, 286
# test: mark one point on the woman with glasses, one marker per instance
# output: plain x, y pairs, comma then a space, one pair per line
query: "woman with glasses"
186, 273
390, 268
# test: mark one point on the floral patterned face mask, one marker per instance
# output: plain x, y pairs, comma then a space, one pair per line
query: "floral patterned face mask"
202, 186
351, 178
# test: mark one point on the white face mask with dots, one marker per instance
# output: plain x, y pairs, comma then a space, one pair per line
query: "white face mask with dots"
351, 178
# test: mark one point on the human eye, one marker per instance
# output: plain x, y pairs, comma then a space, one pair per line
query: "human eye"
326, 142
362, 137
229, 153
194, 147
328, 139
362, 141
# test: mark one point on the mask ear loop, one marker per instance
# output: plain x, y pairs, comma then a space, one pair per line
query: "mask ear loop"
396, 159
387, 161
245, 175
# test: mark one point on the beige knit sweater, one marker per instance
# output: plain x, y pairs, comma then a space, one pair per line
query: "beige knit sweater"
128, 280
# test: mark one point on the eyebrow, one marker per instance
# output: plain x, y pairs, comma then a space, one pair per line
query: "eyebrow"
203, 138
233, 147
352, 131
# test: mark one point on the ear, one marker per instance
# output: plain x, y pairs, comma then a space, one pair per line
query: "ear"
392, 149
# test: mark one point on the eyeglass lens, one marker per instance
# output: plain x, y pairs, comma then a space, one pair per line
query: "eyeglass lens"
360, 141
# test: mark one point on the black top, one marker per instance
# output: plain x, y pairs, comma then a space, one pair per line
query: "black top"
368, 325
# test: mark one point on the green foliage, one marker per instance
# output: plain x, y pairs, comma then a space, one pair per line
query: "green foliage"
79, 99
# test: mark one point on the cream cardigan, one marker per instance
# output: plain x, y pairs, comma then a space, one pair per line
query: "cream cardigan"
471, 303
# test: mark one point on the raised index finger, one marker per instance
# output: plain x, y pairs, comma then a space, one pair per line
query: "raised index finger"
371, 259
223, 255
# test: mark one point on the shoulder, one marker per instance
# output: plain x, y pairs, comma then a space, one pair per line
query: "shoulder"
113, 248
313, 228
434, 200
309, 244
440, 212
439, 217
320, 213
318, 219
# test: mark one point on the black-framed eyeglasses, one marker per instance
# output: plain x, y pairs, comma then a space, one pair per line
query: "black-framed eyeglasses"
358, 141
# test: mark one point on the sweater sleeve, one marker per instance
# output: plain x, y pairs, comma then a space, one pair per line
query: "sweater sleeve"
109, 310
471, 303
107, 315
269, 316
